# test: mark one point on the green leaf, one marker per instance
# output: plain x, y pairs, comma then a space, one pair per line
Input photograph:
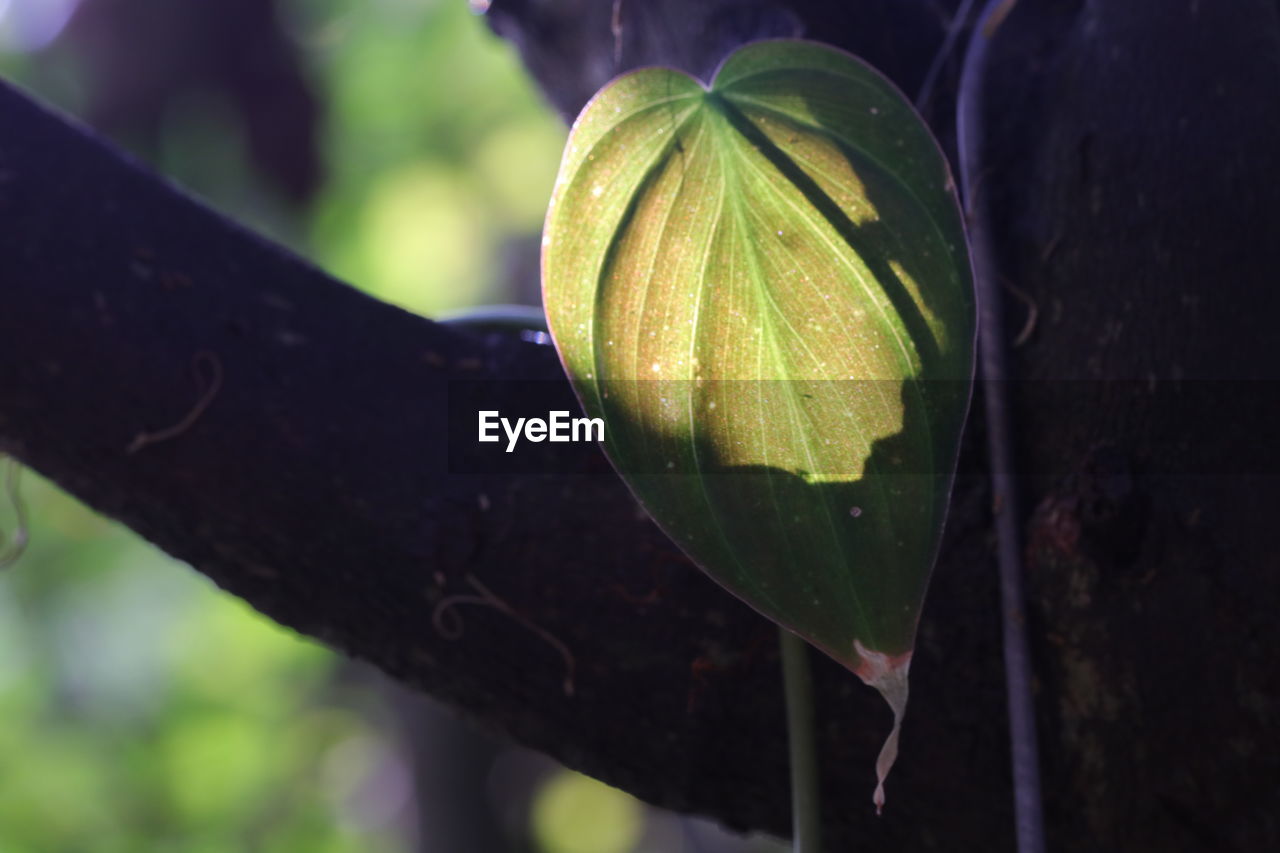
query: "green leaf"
763, 288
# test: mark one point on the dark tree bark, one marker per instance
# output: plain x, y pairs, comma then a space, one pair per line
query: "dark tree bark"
1132, 169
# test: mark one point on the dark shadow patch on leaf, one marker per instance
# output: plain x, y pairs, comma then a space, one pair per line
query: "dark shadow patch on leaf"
880, 550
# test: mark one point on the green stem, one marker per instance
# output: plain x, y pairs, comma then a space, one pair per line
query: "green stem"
806, 826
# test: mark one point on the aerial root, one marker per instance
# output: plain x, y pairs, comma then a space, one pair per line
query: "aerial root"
486, 598
1033, 312
209, 389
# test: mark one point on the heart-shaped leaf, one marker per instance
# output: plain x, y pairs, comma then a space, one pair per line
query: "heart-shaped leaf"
763, 288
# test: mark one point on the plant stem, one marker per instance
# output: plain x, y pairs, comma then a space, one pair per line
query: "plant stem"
993, 359
806, 824
958, 22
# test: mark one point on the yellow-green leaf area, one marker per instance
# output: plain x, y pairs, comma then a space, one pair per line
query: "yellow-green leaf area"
762, 286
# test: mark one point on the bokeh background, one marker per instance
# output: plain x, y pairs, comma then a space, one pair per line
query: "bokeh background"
397, 144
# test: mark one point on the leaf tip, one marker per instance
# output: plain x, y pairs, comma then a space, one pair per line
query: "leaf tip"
888, 675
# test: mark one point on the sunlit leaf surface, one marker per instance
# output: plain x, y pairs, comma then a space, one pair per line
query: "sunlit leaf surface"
762, 286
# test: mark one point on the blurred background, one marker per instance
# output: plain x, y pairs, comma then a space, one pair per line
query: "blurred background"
398, 145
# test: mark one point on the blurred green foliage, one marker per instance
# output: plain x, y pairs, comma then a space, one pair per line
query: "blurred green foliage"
576, 814
142, 709
441, 156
